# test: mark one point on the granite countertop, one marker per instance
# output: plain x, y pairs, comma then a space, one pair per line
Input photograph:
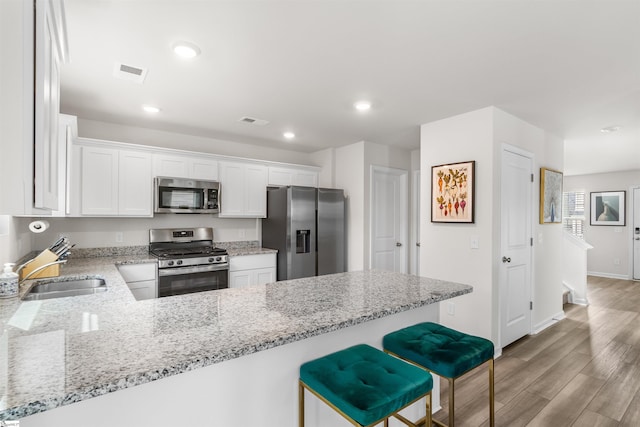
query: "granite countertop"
65, 350
250, 251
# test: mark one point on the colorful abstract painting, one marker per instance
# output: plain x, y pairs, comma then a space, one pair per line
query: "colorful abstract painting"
452, 192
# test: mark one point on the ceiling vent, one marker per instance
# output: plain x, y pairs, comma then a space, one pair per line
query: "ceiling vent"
129, 72
253, 121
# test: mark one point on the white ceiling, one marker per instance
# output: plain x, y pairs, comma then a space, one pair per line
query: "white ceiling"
570, 67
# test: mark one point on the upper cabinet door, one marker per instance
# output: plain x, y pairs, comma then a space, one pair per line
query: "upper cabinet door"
243, 190
50, 53
167, 165
135, 184
279, 176
177, 166
99, 180
232, 191
256, 191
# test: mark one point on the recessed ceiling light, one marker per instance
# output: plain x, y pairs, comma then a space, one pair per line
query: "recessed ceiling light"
362, 105
289, 135
610, 129
186, 50
151, 109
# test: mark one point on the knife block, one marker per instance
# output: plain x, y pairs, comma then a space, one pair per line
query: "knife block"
43, 258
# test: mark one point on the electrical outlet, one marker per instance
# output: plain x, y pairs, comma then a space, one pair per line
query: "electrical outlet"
451, 309
119, 237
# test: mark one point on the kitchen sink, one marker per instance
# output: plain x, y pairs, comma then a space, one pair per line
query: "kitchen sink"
65, 288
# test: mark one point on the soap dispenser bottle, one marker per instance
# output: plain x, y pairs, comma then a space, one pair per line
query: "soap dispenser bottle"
8, 282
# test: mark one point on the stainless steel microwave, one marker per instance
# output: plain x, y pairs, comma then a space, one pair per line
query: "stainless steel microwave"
183, 195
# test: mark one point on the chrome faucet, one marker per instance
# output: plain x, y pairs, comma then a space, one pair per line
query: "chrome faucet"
42, 267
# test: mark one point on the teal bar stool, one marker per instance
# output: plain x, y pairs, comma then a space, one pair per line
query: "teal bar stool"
365, 386
444, 352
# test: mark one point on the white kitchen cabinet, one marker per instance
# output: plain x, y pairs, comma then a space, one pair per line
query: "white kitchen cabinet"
115, 182
249, 270
243, 190
141, 279
135, 186
279, 176
50, 52
99, 181
33, 48
179, 166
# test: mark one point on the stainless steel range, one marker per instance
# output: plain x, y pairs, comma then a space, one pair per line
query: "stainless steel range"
187, 261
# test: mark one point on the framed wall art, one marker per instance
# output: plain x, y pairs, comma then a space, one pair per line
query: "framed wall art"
550, 196
452, 192
608, 208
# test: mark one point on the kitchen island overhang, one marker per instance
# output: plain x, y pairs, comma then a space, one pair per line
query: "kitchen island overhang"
192, 334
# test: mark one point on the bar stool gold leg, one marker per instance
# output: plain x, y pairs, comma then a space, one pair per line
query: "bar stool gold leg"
428, 420
300, 404
451, 402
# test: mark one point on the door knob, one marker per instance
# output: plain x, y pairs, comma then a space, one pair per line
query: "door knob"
418, 244
398, 244
505, 259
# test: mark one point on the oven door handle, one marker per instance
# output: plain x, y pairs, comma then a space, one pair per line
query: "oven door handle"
194, 269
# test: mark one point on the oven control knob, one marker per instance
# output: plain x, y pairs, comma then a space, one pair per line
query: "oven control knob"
179, 262
211, 259
170, 263
219, 258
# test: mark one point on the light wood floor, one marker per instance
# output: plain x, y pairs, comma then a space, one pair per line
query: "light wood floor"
582, 371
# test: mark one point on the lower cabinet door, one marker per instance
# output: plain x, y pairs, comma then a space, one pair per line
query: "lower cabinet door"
143, 290
240, 279
265, 275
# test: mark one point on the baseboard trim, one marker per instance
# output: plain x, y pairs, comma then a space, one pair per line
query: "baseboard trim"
608, 275
548, 322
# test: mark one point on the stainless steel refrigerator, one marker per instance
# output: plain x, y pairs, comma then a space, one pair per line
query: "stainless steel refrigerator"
307, 226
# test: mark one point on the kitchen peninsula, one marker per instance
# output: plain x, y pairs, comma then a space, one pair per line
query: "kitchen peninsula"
221, 358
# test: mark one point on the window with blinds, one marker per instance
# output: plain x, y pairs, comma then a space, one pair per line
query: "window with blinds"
573, 212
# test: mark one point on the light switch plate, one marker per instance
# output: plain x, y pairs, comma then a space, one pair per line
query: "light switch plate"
474, 241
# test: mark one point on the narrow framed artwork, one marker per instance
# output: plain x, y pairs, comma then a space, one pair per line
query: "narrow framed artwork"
550, 196
608, 208
452, 192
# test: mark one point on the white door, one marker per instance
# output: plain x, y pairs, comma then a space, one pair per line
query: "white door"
636, 233
515, 255
415, 242
389, 219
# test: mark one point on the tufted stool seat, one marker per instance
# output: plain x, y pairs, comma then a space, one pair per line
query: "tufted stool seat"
365, 385
445, 352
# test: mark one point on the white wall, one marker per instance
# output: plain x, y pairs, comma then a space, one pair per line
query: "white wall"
15, 238
445, 251
158, 138
101, 232
445, 248
350, 175
326, 160
352, 168
609, 243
